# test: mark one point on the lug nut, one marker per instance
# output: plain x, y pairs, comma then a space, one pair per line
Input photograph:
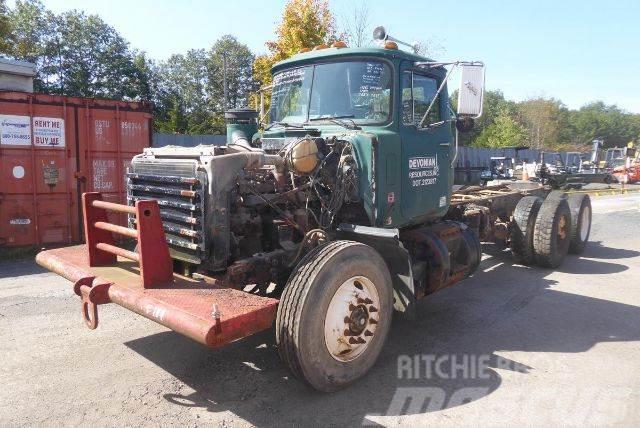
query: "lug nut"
352, 307
368, 333
346, 320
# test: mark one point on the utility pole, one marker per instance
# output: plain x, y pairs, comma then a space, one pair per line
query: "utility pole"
224, 81
61, 72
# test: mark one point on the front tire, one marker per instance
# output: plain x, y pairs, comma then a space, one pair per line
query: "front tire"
335, 314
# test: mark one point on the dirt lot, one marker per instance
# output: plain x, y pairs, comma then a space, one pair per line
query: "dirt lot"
555, 347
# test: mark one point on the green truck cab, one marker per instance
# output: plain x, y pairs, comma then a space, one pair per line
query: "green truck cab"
377, 98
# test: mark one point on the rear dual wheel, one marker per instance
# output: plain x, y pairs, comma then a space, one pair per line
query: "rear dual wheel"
522, 228
552, 232
580, 205
335, 314
543, 232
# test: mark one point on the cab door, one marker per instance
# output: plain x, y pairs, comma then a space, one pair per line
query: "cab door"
426, 150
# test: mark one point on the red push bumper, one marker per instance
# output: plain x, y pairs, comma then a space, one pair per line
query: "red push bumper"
203, 310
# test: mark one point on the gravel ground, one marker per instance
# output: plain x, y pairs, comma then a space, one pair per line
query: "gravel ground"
531, 346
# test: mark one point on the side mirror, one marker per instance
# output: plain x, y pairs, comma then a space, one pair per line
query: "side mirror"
471, 91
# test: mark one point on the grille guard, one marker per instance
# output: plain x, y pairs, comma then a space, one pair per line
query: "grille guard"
204, 310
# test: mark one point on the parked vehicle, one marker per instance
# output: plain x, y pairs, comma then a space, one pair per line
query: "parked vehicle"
627, 169
554, 171
337, 213
501, 168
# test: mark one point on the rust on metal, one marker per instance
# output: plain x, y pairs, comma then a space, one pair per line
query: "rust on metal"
91, 295
66, 146
117, 251
474, 194
125, 209
114, 228
185, 305
156, 267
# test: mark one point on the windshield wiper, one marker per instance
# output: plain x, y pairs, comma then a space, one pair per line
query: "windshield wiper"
338, 121
284, 125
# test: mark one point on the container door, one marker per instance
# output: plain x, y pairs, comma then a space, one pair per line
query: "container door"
109, 138
37, 159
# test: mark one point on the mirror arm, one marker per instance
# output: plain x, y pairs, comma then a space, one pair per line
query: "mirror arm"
433, 101
262, 114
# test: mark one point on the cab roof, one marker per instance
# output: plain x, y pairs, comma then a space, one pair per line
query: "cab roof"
311, 57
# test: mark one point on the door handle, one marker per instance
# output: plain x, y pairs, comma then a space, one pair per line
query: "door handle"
445, 144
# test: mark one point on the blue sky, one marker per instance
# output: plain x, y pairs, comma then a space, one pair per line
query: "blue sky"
577, 51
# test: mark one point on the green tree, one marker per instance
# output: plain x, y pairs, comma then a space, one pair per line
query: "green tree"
546, 122
493, 105
184, 78
196, 79
503, 132
240, 81
6, 34
174, 120
77, 54
598, 120
88, 58
32, 29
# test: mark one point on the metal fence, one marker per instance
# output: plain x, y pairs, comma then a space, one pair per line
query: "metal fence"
468, 157
161, 140
475, 157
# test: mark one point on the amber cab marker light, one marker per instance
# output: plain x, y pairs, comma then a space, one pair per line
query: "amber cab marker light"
390, 45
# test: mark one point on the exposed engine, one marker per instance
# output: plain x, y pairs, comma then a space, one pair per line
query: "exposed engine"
248, 210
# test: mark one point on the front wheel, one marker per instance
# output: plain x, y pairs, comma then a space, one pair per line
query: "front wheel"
335, 314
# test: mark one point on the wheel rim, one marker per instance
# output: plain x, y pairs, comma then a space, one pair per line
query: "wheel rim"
352, 319
585, 223
562, 227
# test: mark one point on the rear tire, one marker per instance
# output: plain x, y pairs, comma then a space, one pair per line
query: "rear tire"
521, 237
335, 314
552, 232
580, 205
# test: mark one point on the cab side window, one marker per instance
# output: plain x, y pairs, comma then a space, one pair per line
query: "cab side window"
417, 93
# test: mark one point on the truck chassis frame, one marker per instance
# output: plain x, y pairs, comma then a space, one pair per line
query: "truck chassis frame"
207, 309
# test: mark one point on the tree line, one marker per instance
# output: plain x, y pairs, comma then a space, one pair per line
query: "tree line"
81, 55
546, 123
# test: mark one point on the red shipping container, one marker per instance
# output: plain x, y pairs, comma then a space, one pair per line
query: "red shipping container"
54, 148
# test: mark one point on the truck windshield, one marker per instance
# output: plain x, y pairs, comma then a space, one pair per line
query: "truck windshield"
358, 90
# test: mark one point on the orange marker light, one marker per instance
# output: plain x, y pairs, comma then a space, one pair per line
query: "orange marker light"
390, 45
